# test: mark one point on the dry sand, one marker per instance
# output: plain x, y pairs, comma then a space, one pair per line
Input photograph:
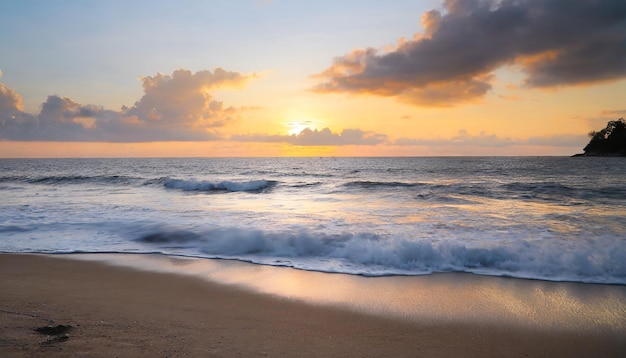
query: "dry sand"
113, 311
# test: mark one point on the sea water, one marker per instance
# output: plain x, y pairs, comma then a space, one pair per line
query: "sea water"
549, 218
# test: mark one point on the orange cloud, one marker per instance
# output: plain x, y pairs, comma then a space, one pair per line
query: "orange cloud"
10, 101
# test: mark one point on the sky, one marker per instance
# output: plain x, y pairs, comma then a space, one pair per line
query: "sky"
156, 78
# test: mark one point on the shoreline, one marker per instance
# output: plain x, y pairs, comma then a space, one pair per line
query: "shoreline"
159, 306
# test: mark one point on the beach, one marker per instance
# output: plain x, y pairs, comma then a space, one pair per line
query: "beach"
110, 310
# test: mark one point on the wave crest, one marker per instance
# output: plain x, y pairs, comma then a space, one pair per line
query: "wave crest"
70, 179
370, 254
208, 186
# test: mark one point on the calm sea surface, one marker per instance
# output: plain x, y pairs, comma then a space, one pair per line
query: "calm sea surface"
548, 218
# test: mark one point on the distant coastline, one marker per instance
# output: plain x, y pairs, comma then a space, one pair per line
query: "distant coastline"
608, 142
599, 154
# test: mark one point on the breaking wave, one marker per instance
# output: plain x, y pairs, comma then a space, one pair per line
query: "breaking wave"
208, 186
373, 255
185, 185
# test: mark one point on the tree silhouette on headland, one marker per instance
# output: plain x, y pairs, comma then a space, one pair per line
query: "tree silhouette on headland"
609, 142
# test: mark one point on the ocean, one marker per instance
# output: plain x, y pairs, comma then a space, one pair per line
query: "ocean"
547, 218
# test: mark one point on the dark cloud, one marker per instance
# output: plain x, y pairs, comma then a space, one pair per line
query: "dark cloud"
177, 107
555, 42
314, 137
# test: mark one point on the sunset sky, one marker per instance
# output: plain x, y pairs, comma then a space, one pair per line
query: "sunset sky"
83, 78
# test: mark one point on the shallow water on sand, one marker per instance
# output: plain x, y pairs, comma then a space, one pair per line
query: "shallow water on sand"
448, 297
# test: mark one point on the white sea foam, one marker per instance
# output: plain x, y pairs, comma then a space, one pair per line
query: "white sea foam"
373, 255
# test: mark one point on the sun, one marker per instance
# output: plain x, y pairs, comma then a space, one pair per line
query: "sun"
297, 126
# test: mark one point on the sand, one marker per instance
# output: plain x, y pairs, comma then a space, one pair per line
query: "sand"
100, 310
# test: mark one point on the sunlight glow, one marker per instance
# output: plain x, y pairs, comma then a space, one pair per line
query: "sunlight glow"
298, 122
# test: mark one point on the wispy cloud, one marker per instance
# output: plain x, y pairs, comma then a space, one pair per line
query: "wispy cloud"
614, 113
598, 122
463, 138
554, 42
314, 137
176, 107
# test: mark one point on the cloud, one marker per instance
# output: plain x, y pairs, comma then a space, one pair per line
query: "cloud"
598, 122
177, 107
314, 137
463, 138
554, 42
560, 140
325, 137
10, 101
614, 113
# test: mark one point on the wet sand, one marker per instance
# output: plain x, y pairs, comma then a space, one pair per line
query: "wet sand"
103, 310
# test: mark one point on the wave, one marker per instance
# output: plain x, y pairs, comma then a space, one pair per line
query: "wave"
538, 191
369, 254
551, 190
548, 191
185, 185
364, 184
70, 179
229, 186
